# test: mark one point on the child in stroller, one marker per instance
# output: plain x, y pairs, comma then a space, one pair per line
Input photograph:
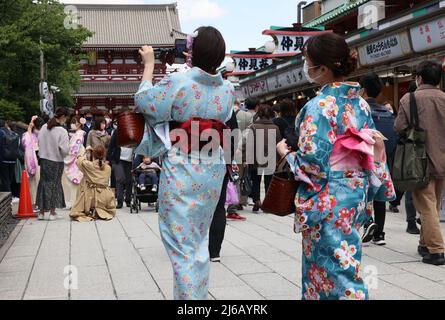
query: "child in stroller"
147, 174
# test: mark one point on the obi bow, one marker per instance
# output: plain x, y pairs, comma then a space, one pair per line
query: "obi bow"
358, 150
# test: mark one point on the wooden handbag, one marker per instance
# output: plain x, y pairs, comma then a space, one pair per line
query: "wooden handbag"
131, 127
280, 197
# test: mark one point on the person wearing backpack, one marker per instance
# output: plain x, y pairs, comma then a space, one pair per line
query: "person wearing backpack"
9, 154
430, 101
372, 86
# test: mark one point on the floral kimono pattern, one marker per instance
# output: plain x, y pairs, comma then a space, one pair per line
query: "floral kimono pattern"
73, 174
332, 205
189, 187
30, 143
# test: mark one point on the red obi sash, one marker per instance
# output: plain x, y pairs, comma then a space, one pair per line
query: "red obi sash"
193, 129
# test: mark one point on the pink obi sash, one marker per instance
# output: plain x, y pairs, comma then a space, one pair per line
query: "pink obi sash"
358, 150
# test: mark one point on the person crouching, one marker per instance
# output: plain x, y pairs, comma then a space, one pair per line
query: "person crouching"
95, 200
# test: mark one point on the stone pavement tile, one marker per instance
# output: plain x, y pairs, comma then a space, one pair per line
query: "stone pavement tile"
382, 267
387, 255
417, 285
10, 295
284, 298
290, 270
16, 251
160, 270
166, 288
424, 270
221, 277
88, 258
13, 281
387, 291
146, 241
133, 282
241, 239
93, 283
265, 253
124, 252
270, 284
235, 293
16, 264
229, 250
142, 296
46, 283
155, 254
244, 265
117, 265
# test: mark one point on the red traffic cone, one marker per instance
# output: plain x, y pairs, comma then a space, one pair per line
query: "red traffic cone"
25, 205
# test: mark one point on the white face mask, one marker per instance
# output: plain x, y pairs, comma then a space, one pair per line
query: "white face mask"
418, 84
306, 73
73, 127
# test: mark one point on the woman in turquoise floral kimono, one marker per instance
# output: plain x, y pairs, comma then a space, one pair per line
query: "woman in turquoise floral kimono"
342, 166
190, 186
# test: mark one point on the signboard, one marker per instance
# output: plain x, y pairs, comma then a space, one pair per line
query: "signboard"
256, 88
290, 43
428, 36
291, 78
385, 49
249, 64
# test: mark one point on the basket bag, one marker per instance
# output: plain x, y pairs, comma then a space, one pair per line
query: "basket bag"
131, 129
280, 197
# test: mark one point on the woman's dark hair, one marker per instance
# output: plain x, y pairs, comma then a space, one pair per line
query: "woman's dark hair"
98, 122
265, 111
372, 83
60, 112
251, 104
99, 154
331, 50
288, 108
209, 49
38, 123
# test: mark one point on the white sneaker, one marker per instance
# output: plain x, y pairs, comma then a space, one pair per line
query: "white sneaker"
154, 189
143, 188
41, 217
52, 217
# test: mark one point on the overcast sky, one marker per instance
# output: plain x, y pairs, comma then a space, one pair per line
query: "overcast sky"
240, 21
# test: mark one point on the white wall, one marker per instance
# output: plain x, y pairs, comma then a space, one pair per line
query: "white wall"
328, 5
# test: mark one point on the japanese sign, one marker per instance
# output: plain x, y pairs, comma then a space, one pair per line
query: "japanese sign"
428, 36
385, 49
251, 64
256, 88
285, 80
290, 42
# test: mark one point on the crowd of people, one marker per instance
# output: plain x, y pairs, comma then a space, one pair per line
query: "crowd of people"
340, 147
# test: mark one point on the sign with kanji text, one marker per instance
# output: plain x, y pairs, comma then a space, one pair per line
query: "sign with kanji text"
289, 43
249, 63
428, 36
385, 49
285, 80
256, 88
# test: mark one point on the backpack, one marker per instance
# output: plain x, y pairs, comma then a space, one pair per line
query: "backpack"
11, 145
411, 165
384, 122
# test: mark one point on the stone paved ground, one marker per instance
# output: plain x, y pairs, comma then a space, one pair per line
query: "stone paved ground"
124, 259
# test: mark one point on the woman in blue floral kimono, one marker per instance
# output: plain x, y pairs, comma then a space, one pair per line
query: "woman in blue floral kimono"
190, 185
342, 166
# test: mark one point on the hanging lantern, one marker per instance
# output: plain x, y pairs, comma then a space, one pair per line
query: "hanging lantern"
270, 46
230, 66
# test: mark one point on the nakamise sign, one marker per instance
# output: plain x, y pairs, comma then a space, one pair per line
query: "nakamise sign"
428, 36
385, 49
246, 64
290, 43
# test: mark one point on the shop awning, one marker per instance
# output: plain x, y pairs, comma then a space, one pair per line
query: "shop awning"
342, 10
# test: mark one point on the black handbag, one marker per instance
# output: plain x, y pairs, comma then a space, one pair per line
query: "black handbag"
246, 183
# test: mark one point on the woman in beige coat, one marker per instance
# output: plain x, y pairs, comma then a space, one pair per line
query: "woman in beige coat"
95, 200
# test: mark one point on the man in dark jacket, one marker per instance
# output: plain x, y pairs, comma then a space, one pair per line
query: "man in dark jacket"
9, 153
372, 86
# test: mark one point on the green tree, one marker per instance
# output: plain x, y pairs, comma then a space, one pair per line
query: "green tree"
23, 23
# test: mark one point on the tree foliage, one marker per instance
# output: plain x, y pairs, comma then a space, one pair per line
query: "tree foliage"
23, 23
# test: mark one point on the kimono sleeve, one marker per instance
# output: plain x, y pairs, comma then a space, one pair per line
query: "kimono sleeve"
155, 103
310, 165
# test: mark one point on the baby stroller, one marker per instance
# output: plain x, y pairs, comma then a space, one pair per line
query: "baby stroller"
147, 194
